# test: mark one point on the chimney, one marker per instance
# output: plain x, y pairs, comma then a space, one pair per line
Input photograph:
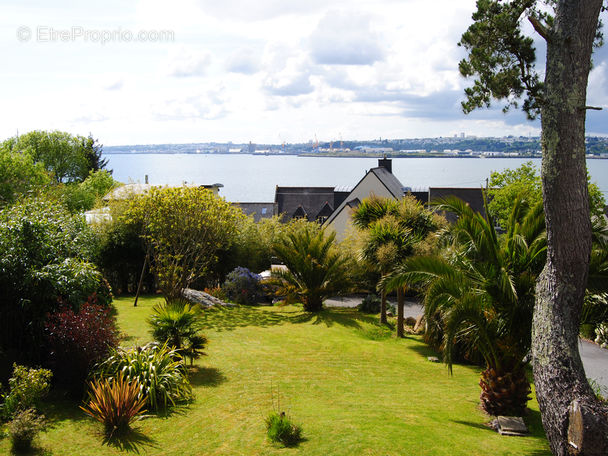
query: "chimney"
385, 163
146, 179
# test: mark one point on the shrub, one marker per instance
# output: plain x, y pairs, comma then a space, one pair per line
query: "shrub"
24, 428
26, 387
116, 403
78, 340
370, 304
45, 255
280, 429
243, 286
177, 323
602, 335
159, 370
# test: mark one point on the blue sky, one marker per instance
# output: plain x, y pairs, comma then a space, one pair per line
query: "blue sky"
267, 71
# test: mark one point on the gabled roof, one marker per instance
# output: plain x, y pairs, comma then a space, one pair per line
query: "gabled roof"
386, 178
299, 213
354, 203
325, 211
389, 180
312, 199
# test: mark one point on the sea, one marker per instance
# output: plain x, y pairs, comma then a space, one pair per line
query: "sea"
253, 178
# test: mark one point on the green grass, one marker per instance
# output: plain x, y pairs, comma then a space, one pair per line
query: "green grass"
355, 389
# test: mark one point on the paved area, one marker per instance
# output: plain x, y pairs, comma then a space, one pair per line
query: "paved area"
595, 359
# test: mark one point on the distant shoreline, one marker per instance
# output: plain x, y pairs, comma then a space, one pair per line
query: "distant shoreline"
324, 155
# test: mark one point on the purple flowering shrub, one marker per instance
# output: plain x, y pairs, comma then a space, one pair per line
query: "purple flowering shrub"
243, 286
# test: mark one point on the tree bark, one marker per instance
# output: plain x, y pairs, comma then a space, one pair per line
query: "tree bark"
383, 307
574, 421
400, 303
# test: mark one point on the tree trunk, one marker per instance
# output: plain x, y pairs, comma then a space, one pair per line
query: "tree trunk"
574, 420
313, 303
383, 307
400, 303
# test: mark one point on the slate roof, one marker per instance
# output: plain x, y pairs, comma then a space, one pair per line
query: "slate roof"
386, 178
389, 180
258, 210
472, 196
311, 199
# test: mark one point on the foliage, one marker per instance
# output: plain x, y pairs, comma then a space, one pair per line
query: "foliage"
80, 339
177, 324
595, 308
370, 304
602, 335
280, 429
26, 387
116, 403
83, 196
185, 228
159, 370
501, 58
24, 428
19, 176
316, 269
394, 231
480, 295
251, 246
121, 251
45, 256
66, 157
243, 286
524, 182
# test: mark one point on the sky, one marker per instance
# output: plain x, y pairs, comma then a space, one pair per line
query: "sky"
266, 71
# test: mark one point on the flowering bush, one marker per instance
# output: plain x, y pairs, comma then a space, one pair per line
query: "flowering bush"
243, 286
78, 340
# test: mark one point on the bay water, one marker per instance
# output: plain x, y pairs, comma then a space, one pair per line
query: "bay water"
253, 178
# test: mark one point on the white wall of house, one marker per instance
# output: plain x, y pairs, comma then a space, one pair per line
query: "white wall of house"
341, 219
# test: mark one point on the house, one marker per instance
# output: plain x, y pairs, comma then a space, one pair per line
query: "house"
129, 190
258, 210
381, 182
310, 203
378, 181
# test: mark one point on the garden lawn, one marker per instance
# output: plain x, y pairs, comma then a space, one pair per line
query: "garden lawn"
354, 388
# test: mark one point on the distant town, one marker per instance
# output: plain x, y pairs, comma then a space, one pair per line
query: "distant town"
454, 146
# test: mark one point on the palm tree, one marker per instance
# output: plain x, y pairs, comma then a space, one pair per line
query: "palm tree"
480, 295
367, 213
315, 267
177, 323
393, 230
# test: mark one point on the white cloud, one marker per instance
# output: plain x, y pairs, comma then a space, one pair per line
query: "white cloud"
346, 38
188, 62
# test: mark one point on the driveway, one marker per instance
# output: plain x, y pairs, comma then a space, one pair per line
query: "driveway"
595, 359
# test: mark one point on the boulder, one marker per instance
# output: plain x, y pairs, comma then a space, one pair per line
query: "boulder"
204, 299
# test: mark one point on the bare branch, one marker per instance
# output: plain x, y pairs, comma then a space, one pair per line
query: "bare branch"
595, 108
540, 28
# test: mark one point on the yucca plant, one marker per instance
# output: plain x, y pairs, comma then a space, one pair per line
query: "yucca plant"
178, 324
159, 370
116, 403
479, 295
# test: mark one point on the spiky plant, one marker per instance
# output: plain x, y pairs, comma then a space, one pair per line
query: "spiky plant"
159, 370
178, 324
315, 267
479, 296
116, 403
